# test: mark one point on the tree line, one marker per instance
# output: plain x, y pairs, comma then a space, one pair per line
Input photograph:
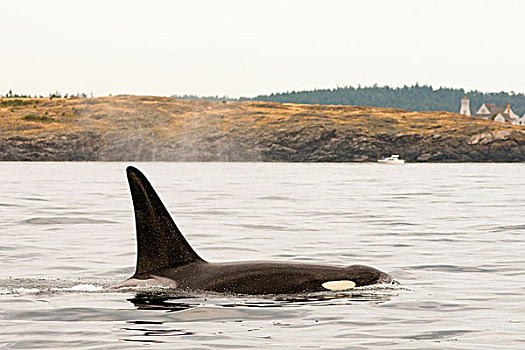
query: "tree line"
412, 98
56, 94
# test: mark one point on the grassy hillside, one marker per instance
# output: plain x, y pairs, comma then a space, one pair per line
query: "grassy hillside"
159, 128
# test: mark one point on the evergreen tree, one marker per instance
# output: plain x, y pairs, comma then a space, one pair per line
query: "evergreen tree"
412, 98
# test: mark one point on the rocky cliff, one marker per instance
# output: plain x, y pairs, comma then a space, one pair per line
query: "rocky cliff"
165, 129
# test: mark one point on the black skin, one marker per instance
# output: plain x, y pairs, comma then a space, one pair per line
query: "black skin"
267, 277
164, 252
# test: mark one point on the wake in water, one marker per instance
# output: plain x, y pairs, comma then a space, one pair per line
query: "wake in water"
21, 286
171, 300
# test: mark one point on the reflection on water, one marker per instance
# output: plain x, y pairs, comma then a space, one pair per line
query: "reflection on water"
173, 301
162, 301
215, 307
149, 331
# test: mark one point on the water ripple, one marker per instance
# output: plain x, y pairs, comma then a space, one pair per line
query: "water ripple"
64, 221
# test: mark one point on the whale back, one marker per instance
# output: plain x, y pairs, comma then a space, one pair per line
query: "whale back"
160, 244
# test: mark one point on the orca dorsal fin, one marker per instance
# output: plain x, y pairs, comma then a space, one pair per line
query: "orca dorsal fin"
160, 244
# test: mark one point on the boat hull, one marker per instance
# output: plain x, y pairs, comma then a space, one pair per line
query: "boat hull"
399, 162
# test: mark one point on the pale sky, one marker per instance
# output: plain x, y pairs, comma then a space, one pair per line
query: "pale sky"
245, 48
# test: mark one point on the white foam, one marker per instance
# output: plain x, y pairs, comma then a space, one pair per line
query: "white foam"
76, 288
85, 288
149, 287
20, 291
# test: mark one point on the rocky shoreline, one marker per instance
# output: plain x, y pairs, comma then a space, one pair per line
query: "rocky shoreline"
138, 128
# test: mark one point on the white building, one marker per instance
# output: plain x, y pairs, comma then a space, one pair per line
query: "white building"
501, 114
490, 111
465, 106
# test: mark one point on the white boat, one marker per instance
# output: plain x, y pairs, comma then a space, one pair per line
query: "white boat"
393, 159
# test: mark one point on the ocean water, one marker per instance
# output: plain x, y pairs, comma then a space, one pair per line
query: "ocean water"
452, 235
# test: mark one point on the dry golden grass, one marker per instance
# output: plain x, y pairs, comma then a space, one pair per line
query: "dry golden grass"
167, 117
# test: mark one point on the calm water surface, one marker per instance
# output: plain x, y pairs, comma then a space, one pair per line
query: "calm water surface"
451, 234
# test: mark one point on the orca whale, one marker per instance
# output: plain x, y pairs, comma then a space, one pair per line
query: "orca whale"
165, 258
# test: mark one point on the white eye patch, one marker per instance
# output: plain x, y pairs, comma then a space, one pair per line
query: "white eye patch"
338, 285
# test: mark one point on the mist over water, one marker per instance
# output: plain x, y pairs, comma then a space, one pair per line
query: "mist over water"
451, 234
